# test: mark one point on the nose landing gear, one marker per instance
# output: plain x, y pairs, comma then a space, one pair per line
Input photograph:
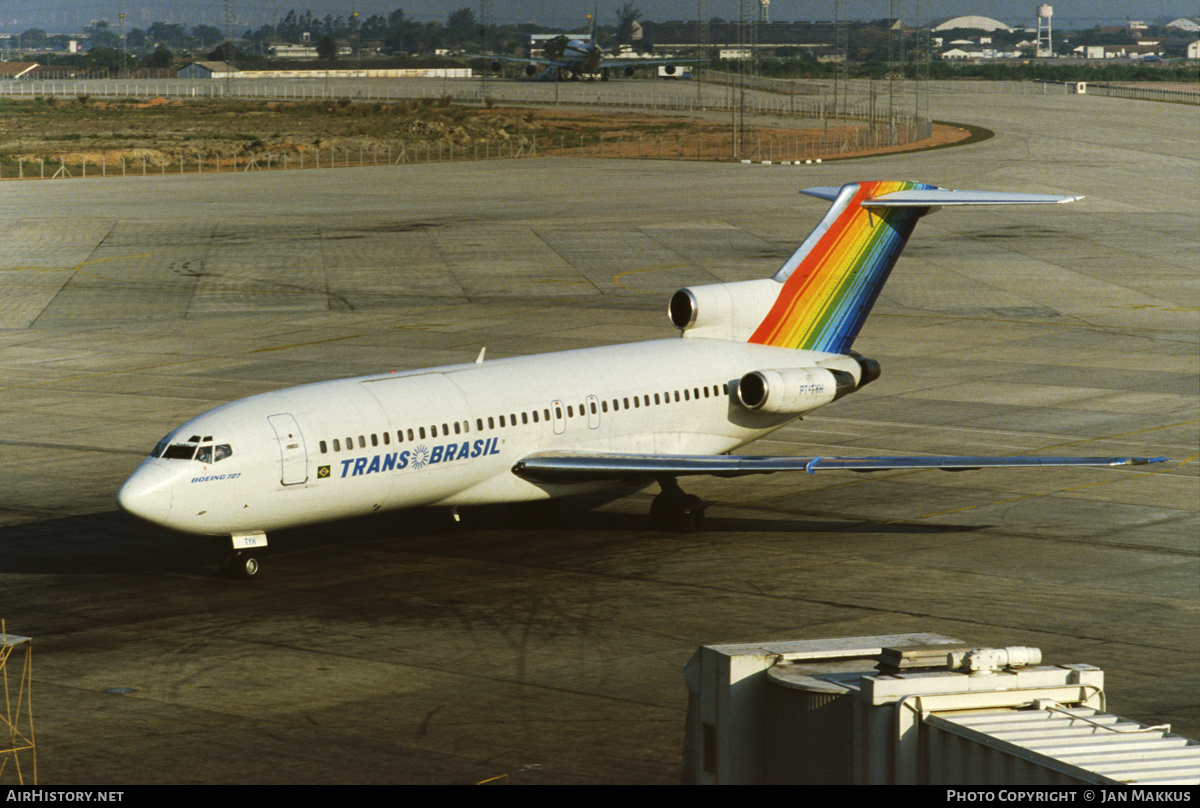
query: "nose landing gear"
239, 564
240, 559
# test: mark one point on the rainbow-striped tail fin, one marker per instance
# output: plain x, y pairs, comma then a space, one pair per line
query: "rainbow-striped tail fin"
833, 279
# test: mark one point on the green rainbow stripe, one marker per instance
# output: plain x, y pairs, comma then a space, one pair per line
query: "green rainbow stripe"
823, 304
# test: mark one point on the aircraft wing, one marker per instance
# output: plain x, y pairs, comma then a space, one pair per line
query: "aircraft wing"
575, 467
615, 63
525, 60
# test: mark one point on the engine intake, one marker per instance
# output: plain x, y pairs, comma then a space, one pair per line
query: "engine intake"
722, 310
792, 390
797, 390
683, 308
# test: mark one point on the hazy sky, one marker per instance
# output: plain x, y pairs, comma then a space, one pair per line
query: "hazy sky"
73, 15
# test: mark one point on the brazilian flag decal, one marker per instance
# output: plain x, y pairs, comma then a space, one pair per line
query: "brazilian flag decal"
322, 472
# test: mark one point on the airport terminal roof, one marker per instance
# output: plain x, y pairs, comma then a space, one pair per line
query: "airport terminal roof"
973, 22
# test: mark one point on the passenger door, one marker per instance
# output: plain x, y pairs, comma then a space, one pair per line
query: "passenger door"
293, 457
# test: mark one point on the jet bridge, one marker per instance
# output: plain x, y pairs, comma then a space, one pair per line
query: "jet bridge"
914, 709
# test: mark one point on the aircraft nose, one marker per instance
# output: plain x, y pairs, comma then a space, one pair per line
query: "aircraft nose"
147, 494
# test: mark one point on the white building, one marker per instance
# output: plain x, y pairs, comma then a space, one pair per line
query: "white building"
973, 22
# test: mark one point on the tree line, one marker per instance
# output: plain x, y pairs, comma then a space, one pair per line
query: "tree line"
395, 33
872, 49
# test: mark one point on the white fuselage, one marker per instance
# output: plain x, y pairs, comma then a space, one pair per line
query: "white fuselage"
449, 436
583, 57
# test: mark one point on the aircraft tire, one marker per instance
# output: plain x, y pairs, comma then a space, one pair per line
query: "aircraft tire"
677, 512
691, 519
239, 565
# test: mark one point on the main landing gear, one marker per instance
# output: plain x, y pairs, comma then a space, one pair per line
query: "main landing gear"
674, 510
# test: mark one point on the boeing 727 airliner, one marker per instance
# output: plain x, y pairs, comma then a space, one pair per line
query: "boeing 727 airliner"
580, 58
754, 356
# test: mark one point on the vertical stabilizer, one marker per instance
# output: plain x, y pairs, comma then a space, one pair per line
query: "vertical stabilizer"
820, 297
833, 279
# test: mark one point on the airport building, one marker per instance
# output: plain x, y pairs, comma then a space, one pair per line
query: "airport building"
971, 22
914, 709
729, 38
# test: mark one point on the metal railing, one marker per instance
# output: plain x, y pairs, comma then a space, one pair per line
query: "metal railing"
68, 167
1144, 92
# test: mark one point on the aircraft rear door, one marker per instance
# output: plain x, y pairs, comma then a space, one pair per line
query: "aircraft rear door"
293, 458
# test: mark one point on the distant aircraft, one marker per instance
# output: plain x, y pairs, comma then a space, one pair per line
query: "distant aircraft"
755, 355
580, 59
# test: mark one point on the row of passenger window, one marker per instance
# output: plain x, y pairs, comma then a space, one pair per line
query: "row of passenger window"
533, 416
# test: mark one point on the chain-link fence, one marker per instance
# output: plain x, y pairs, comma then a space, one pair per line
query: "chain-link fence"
796, 121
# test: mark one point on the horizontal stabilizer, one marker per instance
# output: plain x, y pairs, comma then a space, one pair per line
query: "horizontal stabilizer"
943, 197
831, 281
562, 467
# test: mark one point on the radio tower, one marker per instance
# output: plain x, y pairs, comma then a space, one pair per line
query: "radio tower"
228, 21
841, 45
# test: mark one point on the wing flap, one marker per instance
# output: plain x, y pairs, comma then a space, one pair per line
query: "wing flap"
564, 467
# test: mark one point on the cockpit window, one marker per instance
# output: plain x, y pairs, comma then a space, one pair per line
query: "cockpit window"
184, 451
179, 451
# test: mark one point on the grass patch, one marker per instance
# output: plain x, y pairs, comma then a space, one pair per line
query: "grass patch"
162, 129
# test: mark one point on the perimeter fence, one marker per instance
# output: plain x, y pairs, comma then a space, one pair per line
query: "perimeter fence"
819, 125
1144, 92
838, 142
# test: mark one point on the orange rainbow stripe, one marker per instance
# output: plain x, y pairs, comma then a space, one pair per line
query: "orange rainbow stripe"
825, 301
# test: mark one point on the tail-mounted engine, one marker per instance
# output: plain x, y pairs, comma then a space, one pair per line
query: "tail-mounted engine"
792, 391
723, 310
